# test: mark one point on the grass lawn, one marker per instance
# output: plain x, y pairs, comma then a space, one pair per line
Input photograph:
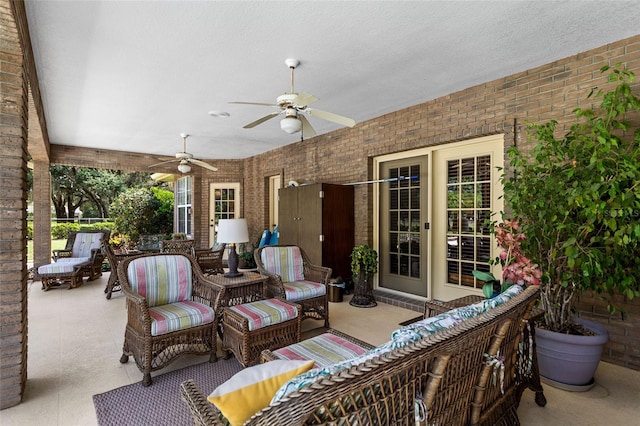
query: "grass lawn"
55, 245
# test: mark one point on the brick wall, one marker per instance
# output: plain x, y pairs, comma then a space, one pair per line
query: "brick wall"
547, 92
13, 214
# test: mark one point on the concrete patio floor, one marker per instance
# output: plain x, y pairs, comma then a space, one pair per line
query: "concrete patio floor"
75, 342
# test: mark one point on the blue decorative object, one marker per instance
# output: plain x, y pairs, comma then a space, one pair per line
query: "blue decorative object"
266, 237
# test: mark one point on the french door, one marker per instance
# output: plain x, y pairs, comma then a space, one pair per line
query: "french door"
224, 204
434, 207
403, 226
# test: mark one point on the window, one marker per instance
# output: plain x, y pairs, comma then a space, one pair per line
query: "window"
183, 205
468, 212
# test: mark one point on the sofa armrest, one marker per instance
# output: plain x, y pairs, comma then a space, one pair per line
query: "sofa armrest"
202, 411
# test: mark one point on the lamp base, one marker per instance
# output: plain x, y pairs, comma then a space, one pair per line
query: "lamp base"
233, 263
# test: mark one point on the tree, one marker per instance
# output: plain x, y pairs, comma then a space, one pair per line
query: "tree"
577, 199
91, 190
143, 211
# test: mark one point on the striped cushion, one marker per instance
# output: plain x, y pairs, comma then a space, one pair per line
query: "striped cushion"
299, 290
161, 279
85, 242
325, 349
265, 312
65, 265
179, 316
283, 261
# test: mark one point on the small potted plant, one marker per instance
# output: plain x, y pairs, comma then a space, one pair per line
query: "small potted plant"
516, 267
364, 265
247, 261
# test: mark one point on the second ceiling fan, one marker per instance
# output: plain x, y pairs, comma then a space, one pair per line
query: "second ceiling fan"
293, 106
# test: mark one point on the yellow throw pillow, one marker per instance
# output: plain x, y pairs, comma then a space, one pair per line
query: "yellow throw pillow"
251, 389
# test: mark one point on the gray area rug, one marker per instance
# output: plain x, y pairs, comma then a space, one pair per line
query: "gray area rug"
160, 404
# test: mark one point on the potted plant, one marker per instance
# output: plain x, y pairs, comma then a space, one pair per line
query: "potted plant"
577, 198
364, 264
516, 267
247, 261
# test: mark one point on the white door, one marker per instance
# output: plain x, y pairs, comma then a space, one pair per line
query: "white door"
431, 231
224, 204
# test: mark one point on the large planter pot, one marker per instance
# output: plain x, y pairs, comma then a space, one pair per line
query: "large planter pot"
569, 361
363, 292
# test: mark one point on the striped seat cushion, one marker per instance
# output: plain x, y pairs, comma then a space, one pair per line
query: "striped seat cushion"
179, 316
325, 349
161, 279
300, 290
85, 242
65, 265
284, 261
265, 312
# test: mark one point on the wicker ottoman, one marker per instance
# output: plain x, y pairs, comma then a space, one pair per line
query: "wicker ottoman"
325, 349
250, 328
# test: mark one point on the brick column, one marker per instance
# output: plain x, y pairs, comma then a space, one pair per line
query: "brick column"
41, 213
13, 213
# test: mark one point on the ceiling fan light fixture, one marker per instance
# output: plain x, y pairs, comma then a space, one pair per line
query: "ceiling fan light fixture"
184, 167
290, 125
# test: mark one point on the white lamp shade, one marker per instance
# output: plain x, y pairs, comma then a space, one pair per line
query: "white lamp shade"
232, 231
184, 168
290, 125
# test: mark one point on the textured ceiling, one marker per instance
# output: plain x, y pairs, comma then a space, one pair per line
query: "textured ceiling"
133, 75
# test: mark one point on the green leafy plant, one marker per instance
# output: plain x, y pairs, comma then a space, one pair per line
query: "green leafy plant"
577, 199
246, 254
364, 259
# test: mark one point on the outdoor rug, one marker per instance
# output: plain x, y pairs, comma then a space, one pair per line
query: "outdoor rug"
160, 404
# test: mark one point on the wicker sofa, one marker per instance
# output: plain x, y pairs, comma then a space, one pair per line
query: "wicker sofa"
450, 377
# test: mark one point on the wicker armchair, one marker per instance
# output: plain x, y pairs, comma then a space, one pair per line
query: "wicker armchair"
178, 246
150, 242
210, 260
171, 308
82, 257
294, 278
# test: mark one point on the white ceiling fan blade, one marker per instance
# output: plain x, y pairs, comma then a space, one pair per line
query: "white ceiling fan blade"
164, 162
203, 164
303, 99
345, 121
261, 120
255, 103
307, 129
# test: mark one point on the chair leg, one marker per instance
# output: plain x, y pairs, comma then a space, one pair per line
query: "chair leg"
146, 380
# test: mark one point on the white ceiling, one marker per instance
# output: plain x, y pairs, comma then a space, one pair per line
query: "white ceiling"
133, 75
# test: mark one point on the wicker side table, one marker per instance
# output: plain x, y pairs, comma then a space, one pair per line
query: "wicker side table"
435, 307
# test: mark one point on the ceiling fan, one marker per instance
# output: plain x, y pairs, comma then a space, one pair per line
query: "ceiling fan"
186, 159
293, 106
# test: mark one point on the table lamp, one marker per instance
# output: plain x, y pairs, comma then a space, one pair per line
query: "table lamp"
232, 232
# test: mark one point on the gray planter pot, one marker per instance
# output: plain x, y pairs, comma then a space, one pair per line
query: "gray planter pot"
570, 360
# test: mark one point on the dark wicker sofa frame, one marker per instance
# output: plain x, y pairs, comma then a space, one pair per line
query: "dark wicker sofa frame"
448, 370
